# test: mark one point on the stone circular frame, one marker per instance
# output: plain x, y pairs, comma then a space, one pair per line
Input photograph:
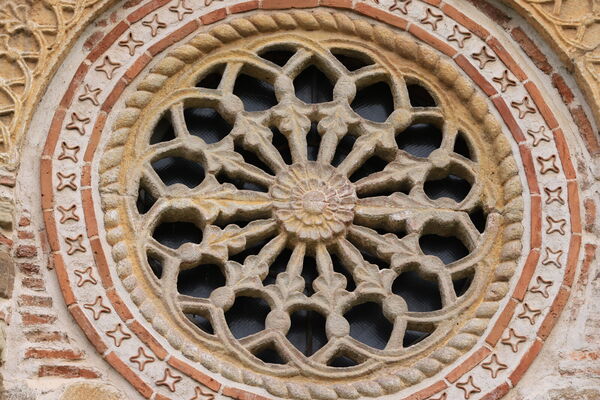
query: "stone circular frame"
493, 348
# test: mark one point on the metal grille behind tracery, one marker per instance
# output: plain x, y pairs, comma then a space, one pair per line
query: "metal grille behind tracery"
308, 207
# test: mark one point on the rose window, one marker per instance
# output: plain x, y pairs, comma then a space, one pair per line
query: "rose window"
313, 207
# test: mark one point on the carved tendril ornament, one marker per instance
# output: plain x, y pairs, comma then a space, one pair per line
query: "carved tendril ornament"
246, 198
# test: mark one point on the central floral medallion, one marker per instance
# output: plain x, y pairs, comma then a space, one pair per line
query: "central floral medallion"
313, 202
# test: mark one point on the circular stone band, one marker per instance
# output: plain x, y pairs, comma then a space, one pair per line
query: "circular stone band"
119, 306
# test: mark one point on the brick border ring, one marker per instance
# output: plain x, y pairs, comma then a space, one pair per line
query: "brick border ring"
116, 81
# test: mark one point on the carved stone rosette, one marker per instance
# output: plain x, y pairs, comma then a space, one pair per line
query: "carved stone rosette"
123, 131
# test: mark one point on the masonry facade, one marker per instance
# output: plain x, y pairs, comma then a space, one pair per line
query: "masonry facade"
272, 199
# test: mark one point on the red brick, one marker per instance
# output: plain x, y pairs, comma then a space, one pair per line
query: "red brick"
585, 128
74, 85
53, 134
142, 387
25, 235
468, 364
39, 336
137, 67
564, 154
194, 373
173, 38
33, 283
526, 361
381, 15
470, 70
509, 119
67, 372
467, 22
243, 7
213, 16
26, 300
497, 393
506, 58
535, 54
525, 278
283, 4
107, 41
148, 339
114, 95
95, 137
527, 159
64, 354
63, 279
572, 260
6, 241
88, 329
434, 3
46, 183
51, 234
502, 323
557, 306
90, 219
536, 222
436, 43
590, 214
28, 268
118, 305
561, 85
24, 221
541, 104
145, 10
336, 3
37, 319
573, 190
428, 391
100, 258
494, 13
26, 251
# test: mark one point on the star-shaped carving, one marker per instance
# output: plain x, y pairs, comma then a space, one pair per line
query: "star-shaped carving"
200, 395
118, 335
154, 24
524, 107
90, 94
75, 245
66, 181
131, 43
483, 57
181, 9
459, 36
400, 5
68, 152
553, 257
529, 313
513, 340
556, 225
108, 67
548, 164
539, 136
494, 366
504, 81
97, 308
85, 276
431, 18
443, 396
169, 380
78, 123
468, 387
541, 287
68, 214
141, 359
554, 195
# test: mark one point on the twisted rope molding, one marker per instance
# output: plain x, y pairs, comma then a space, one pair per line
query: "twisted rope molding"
404, 45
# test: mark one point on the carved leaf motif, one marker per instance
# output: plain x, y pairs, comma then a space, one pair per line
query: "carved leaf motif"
291, 119
288, 288
330, 290
218, 242
221, 157
337, 120
247, 275
253, 134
